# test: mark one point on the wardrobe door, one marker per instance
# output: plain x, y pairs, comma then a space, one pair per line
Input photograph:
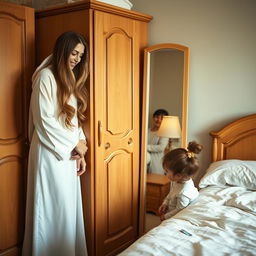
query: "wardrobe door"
117, 129
16, 66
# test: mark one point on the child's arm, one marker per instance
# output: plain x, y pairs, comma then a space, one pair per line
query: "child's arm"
167, 199
182, 202
164, 206
163, 209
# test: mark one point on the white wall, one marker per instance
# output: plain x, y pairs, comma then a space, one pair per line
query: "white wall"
222, 40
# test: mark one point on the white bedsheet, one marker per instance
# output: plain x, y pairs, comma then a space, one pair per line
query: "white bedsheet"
221, 221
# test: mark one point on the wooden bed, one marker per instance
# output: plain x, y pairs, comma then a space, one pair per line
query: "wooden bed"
222, 220
237, 140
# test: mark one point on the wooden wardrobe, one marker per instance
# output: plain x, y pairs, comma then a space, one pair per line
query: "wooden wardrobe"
111, 185
16, 69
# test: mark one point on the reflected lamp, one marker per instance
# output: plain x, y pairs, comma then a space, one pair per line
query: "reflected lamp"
169, 128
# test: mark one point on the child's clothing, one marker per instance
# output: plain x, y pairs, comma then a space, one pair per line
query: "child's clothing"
179, 197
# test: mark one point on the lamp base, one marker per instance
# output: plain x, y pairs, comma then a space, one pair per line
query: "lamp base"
172, 144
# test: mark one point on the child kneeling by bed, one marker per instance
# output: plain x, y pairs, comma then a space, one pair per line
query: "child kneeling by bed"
180, 165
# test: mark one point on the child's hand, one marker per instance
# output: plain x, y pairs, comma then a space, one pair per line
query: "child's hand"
163, 209
162, 217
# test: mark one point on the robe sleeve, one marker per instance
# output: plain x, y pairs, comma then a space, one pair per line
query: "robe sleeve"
60, 140
31, 126
81, 134
159, 147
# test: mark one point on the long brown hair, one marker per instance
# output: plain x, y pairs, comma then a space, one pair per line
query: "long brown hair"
70, 81
183, 161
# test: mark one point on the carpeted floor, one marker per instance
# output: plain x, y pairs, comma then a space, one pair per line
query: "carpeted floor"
151, 221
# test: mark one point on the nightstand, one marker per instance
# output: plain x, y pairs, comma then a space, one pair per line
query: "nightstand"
158, 186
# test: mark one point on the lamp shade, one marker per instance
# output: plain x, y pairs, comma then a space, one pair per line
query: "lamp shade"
170, 127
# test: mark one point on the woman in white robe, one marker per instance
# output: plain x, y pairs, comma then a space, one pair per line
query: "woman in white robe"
156, 144
54, 217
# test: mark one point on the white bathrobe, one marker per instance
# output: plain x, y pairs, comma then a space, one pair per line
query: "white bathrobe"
54, 216
155, 148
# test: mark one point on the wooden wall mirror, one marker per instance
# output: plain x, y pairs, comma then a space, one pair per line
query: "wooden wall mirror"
166, 69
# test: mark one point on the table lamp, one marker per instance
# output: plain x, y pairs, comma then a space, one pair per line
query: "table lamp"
169, 128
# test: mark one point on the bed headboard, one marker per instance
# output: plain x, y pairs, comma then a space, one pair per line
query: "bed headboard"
236, 140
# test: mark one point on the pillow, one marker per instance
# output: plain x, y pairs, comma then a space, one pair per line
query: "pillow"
230, 172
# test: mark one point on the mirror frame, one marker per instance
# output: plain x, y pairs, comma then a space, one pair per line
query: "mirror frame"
145, 108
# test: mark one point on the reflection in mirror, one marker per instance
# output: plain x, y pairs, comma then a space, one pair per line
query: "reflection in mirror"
170, 128
165, 87
156, 144
165, 83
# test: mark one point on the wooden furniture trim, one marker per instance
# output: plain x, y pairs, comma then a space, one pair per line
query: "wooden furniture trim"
154, 178
234, 135
143, 154
89, 176
96, 5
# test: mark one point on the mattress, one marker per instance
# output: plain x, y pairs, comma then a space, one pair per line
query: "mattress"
221, 221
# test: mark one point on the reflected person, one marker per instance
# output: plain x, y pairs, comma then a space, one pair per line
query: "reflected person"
156, 144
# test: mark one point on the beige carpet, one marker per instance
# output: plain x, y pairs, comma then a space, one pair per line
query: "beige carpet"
151, 221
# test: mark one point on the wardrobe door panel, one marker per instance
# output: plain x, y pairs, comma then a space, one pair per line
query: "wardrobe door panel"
117, 123
12, 197
120, 163
118, 84
16, 67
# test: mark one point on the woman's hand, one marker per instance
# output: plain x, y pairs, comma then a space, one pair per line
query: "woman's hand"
163, 209
81, 166
80, 150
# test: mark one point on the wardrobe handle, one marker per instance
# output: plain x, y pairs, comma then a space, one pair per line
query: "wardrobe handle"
99, 133
107, 145
130, 141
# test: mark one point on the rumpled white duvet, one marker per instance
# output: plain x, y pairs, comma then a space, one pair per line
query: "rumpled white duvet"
221, 221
